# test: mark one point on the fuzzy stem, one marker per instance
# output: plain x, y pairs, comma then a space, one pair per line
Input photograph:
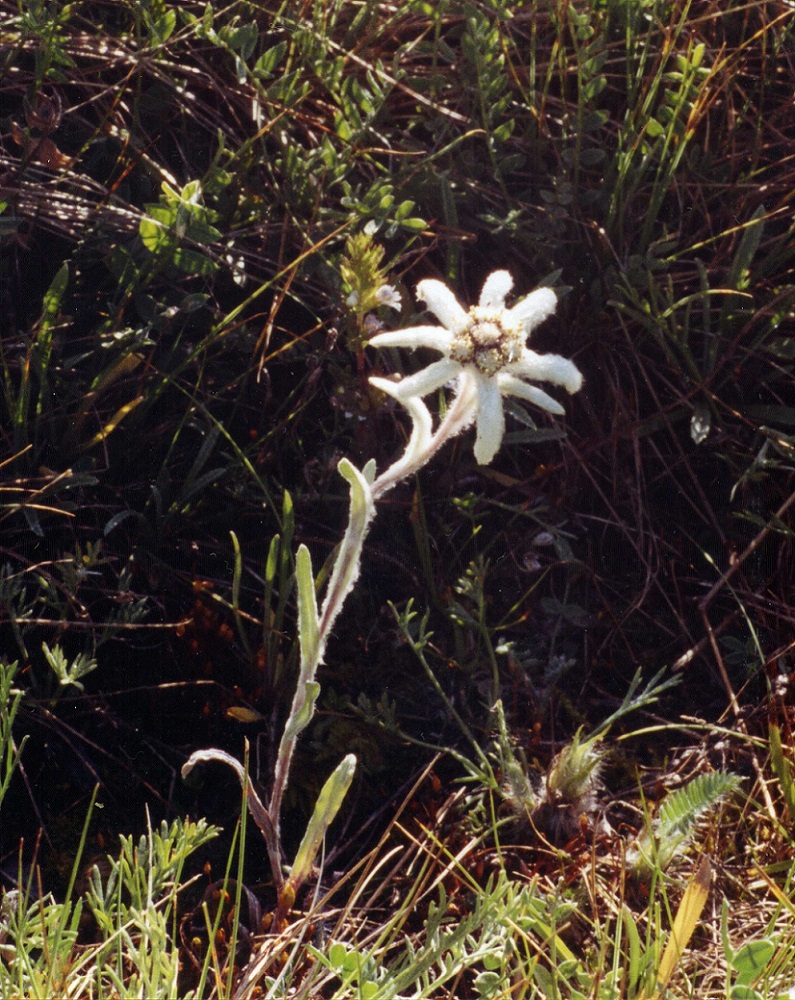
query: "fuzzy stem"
346, 571
343, 578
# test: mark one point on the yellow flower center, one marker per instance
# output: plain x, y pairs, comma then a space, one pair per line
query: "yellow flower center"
489, 340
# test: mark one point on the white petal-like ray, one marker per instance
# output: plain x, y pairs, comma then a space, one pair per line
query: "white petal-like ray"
422, 382
442, 303
419, 447
421, 429
511, 386
435, 337
490, 420
534, 308
386, 385
547, 368
496, 287
466, 392
422, 425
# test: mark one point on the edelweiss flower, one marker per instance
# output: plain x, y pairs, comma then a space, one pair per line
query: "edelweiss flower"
485, 352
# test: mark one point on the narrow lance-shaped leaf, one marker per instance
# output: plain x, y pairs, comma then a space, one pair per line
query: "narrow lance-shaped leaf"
301, 713
45, 331
307, 689
308, 629
270, 562
326, 808
112, 424
253, 801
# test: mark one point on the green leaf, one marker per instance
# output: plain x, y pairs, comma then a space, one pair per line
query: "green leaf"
342, 128
403, 210
269, 60
347, 564
746, 251
593, 120
164, 26
684, 807
118, 518
288, 518
535, 436
272, 561
680, 815
634, 949
308, 624
326, 808
743, 992
337, 954
244, 38
68, 673
751, 960
207, 20
302, 715
54, 294
46, 328
258, 811
493, 960
191, 192
153, 234
122, 266
592, 157
192, 262
200, 231
488, 984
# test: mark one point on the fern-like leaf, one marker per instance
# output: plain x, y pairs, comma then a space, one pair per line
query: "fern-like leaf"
679, 817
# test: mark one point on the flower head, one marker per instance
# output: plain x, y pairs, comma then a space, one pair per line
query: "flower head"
484, 351
388, 295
